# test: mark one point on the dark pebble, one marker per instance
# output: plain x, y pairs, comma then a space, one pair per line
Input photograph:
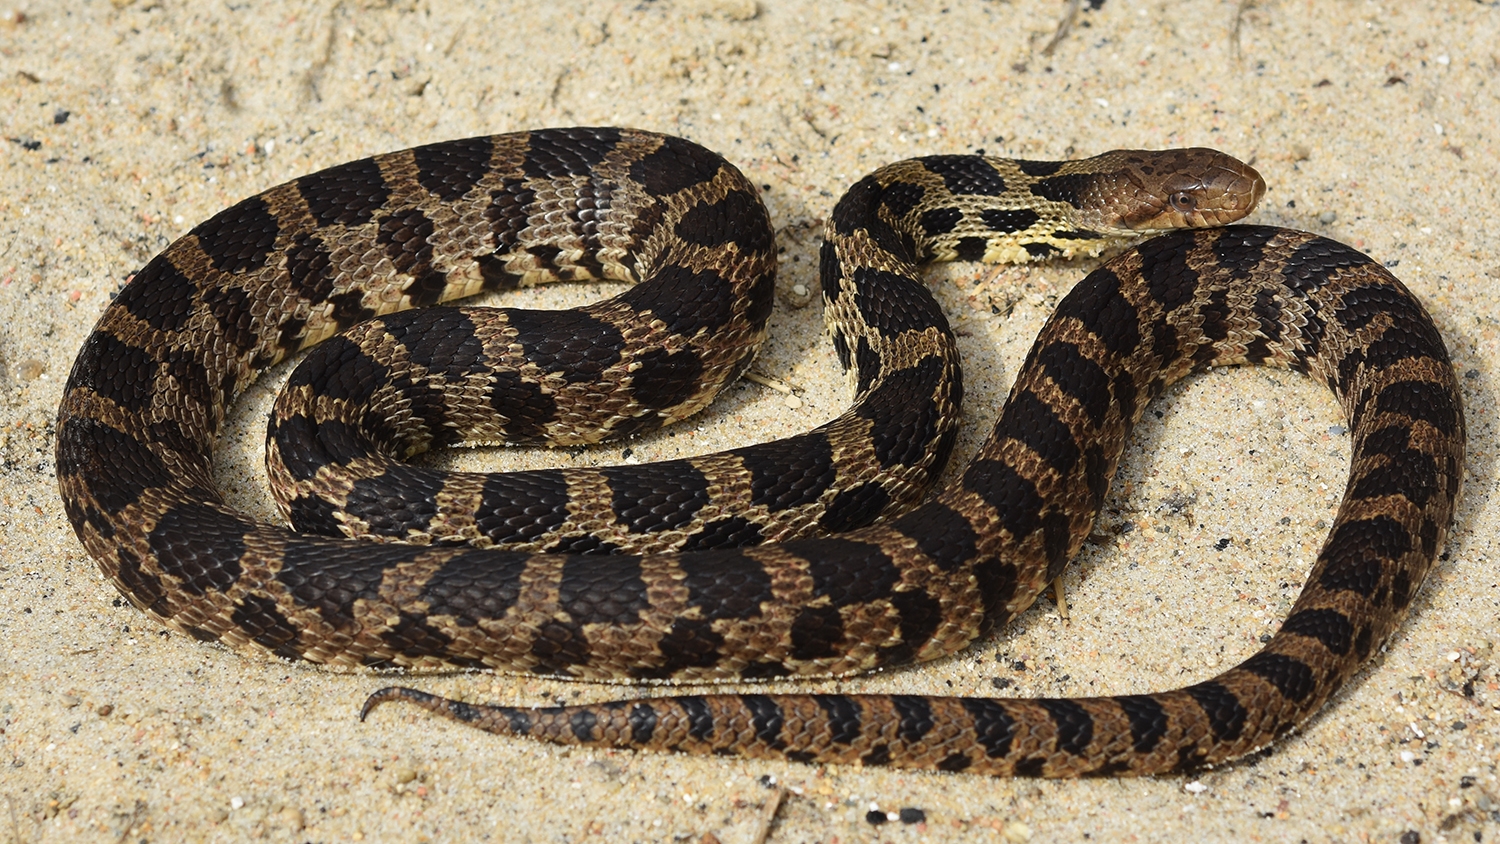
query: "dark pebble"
913, 815
875, 818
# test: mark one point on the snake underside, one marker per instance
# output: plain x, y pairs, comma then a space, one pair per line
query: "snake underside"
717, 567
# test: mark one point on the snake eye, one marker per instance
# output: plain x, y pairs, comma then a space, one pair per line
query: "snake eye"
1184, 202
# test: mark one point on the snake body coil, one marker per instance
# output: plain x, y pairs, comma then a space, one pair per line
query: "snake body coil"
687, 600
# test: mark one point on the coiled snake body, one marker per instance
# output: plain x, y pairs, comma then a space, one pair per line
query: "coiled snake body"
688, 600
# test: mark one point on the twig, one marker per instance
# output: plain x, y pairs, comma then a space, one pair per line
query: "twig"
1064, 26
767, 381
767, 815
1234, 28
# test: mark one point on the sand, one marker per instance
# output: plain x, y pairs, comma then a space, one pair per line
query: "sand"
122, 124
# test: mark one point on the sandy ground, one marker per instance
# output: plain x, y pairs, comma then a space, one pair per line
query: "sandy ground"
124, 123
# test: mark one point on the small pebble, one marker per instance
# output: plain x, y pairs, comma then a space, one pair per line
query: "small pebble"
293, 819
105, 709
405, 775
912, 815
1327, 217
875, 817
30, 369
793, 403
71, 701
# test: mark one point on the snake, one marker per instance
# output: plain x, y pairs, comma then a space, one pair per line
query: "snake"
817, 555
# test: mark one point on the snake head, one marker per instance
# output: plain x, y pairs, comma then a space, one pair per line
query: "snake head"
1153, 190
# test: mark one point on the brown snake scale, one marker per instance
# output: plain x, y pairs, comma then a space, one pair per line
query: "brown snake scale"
721, 568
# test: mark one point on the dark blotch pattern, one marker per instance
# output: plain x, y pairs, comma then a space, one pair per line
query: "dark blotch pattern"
1009, 220
903, 415
1038, 168
1330, 627
915, 715
573, 344
732, 532
936, 221
847, 572
235, 312
131, 469
1077, 376
686, 301
559, 153
1148, 721
520, 507
1013, 497
604, 590
888, 305
1290, 676
1358, 551
1226, 715
941, 532
124, 374
642, 720
401, 500
526, 407
263, 620
240, 237
309, 268
452, 168
1164, 265
993, 725
340, 369
675, 166
843, 717
1068, 188
766, 719
406, 235
854, 508
699, 717
1030, 420
1098, 305
901, 197
665, 379
1423, 400
346, 195
817, 633
657, 497
1075, 727
726, 584
739, 218
160, 295
691, 643
200, 546
966, 175
796, 472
